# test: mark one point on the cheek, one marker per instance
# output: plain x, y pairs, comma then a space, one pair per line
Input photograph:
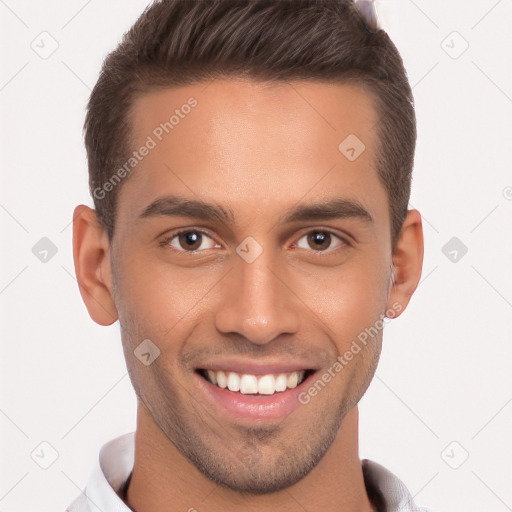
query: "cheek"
350, 298
158, 301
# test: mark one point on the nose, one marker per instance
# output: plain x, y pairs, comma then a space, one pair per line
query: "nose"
257, 302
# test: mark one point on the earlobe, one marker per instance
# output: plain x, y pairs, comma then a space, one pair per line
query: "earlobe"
407, 261
92, 266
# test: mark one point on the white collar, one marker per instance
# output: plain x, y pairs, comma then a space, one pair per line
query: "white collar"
116, 460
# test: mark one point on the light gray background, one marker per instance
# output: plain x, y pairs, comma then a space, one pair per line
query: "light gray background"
444, 384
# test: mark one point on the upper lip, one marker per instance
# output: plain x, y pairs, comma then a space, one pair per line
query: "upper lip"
257, 368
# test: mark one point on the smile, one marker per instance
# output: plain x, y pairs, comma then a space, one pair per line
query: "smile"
247, 390
250, 384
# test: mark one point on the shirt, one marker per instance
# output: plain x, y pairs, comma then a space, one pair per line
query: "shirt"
116, 459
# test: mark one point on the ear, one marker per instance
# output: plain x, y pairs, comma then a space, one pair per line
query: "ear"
407, 261
91, 255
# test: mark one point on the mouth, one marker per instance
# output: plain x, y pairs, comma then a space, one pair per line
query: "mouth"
252, 384
241, 397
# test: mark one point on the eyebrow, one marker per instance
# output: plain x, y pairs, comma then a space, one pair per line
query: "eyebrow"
336, 208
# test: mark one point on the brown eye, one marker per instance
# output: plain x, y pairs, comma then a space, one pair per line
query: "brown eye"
190, 241
319, 240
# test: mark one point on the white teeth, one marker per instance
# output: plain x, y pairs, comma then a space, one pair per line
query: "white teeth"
248, 384
233, 382
293, 380
212, 377
281, 382
267, 385
252, 384
222, 381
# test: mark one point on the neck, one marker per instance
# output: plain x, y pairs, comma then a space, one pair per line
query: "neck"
163, 479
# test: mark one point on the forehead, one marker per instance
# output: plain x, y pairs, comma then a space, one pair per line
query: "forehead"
243, 140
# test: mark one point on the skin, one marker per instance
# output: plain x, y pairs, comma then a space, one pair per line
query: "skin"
257, 150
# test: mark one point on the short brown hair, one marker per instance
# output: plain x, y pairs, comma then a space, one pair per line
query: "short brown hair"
182, 42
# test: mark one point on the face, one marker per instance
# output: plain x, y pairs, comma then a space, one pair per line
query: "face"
273, 256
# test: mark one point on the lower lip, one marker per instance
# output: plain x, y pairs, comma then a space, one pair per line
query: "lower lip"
266, 407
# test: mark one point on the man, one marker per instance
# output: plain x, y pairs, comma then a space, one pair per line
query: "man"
250, 163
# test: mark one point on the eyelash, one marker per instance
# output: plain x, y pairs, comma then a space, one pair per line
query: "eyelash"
165, 243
